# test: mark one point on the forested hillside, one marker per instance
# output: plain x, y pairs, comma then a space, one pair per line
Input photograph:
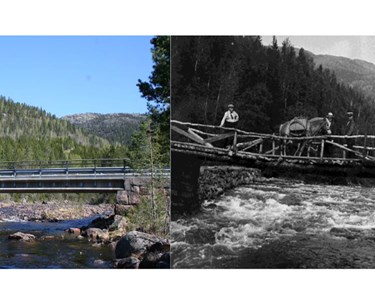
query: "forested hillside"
353, 72
116, 128
267, 85
30, 133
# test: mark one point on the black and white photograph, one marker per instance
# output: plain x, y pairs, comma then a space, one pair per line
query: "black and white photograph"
272, 152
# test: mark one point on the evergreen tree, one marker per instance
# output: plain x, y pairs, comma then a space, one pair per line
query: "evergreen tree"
157, 91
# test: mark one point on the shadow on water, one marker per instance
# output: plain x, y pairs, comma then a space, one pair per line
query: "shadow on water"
53, 247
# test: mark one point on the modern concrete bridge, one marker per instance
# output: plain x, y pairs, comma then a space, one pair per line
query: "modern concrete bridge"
83, 176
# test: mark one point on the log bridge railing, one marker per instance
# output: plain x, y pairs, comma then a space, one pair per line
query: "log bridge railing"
189, 137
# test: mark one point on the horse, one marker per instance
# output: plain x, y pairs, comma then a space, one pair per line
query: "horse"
299, 127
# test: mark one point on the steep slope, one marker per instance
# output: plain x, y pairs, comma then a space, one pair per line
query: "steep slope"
353, 72
30, 133
117, 128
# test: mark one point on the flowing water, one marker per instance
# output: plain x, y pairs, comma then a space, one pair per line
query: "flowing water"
280, 223
53, 247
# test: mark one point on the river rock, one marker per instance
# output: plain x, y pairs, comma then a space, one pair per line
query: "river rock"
76, 231
134, 243
150, 260
96, 234
100, 263
119, 223
164, 261
22, 236
156, 257
48, 237
127, 263
111, 223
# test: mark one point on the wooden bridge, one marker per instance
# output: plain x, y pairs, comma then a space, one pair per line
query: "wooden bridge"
321, 158
83, 176
228, 144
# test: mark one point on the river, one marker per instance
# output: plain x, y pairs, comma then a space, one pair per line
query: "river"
280, 223
53, 248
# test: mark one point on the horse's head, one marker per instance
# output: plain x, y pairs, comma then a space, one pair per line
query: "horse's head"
319, 126
284, 129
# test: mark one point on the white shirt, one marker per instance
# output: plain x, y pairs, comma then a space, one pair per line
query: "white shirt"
230, 117
329, 131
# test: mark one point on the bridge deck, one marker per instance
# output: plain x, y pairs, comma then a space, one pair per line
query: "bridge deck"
70, 178
211, 142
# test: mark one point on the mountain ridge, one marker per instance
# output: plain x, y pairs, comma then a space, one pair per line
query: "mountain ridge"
115, 127
356, 73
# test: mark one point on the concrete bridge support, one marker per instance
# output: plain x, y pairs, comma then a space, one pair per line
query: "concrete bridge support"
135, 190
131, 195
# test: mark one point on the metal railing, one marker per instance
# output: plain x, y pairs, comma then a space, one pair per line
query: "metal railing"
76, 167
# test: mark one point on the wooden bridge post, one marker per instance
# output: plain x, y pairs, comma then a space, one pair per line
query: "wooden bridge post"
322, 149
273, 145
235, 142
365, 146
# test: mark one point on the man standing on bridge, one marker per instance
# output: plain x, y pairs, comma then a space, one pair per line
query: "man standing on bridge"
230, 118
349, 130
328, 147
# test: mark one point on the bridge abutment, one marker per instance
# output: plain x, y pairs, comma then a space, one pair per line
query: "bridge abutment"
184, 183
137, 189
194, 180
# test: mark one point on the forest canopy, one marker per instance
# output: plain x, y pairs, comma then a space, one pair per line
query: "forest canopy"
267, 84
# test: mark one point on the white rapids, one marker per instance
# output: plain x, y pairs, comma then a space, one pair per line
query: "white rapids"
252, 216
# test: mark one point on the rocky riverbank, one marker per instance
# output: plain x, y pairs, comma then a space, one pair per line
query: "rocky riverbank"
132, 249
51, 211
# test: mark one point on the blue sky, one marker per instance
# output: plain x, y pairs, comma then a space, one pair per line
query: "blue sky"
76, 74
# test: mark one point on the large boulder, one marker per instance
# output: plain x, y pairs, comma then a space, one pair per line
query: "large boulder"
20, 236
111, 223
157, 256
134, 243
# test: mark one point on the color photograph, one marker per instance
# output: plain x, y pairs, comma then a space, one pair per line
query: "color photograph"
84, 152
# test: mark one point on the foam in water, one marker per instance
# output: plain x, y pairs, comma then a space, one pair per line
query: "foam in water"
249, 217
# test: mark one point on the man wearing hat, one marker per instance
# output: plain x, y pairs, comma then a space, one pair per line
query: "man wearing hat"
230, 118
328, 147
349, 130
329, 119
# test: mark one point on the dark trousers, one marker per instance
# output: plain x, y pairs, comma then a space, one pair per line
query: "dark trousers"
328, 150
229, 141
350, 144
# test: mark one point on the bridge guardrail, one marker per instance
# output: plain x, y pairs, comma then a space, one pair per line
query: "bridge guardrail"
75, 167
